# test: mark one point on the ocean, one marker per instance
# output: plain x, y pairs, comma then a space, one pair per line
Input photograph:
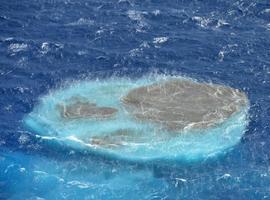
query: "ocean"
48, 44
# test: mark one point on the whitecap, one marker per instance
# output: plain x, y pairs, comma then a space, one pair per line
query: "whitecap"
156, 12
138, 16
160, 40
82, 21
45, 48
135, 15
23, 139
268, 26
17, 47
221, 23
266, 11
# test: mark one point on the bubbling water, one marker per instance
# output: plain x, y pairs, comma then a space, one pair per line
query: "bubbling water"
112, 118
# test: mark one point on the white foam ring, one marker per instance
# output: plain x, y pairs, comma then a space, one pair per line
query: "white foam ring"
152, 141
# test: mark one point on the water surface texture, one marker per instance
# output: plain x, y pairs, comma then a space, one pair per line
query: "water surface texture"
46, 45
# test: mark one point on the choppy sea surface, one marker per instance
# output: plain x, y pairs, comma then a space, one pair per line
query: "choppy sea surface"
49, 44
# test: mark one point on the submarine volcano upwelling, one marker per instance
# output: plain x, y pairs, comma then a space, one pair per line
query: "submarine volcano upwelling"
170, 118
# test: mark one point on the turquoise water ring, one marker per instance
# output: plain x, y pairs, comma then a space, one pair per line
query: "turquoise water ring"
170, 118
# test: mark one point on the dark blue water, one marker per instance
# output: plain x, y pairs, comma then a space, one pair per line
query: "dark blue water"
44, 43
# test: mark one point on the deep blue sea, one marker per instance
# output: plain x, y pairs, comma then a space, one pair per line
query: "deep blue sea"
47, 43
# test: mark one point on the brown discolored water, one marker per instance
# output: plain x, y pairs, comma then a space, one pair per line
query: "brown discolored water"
179, 104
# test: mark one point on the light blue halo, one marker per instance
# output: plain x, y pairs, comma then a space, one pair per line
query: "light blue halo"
46, 121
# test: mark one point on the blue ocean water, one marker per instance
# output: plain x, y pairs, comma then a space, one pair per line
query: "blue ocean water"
47, 43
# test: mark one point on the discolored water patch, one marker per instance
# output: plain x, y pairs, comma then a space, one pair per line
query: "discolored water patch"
82, 108
119, 138
178, 104
146, 119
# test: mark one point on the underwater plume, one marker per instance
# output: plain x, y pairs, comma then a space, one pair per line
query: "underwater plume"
170, 118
